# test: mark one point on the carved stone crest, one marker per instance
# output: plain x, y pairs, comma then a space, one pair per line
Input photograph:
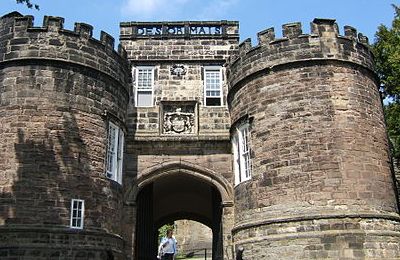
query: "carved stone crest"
178, 70
178, 119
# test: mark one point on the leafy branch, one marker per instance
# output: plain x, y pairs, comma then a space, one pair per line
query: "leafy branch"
387, 58
28, 4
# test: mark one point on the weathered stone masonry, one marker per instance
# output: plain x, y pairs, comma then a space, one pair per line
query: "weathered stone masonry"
321, 185
207, 145
58, 89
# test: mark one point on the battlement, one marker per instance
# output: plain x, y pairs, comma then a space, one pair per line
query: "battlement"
23, 40
319, 28
323, 42
56, 24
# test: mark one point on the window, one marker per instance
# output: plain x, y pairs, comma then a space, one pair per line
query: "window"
241, 152
115, 148
144, 86
213, 86
77, 213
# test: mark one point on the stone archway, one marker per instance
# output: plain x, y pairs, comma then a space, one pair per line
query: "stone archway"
176, 190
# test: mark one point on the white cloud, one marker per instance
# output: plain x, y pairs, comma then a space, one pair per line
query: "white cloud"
216, 9
144, 9
138, 6
158, 10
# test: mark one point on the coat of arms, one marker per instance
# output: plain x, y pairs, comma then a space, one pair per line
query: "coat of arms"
181, 120
178, 122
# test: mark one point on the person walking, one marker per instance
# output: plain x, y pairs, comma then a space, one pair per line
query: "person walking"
167, 249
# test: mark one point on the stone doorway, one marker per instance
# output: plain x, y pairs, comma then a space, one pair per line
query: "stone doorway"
177, 195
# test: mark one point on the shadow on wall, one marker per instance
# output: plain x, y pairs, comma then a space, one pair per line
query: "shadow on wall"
53, 168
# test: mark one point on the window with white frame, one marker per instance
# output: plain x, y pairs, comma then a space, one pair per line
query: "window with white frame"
77, 213
144, 86
241, 152
213, 86
115, 148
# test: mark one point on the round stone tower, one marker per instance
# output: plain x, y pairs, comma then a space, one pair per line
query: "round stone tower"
321, 184
59, 92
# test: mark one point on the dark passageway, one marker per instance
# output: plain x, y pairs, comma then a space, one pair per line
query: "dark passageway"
176, 196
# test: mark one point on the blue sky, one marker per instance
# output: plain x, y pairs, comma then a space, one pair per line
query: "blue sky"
253, 15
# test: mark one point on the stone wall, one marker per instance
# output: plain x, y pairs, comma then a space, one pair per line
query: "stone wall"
207, 145
193, 52
321, 185
211, 135
58, 90
193, 237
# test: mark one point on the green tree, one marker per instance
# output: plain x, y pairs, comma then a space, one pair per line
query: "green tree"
28, 4
387, 56
386, 49
392, 115
162, 231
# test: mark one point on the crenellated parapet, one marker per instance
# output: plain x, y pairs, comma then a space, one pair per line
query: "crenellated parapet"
323, 43
21, 40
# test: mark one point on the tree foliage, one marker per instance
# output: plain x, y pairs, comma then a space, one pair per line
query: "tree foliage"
28, 4
387, 58
392, 115
162, 231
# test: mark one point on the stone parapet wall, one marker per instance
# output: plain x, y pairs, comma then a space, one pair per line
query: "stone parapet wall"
324, 43
20, 40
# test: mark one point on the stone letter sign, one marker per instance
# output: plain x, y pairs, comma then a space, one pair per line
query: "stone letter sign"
178, 30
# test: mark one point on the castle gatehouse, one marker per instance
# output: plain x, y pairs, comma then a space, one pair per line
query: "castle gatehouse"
279, 148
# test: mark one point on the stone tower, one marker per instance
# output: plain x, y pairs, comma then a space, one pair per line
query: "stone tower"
60, 91
321, 185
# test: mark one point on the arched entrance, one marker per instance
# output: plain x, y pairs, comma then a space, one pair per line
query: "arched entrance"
179, 190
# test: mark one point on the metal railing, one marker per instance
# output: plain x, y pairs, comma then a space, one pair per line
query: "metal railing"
239, 253
193, 252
